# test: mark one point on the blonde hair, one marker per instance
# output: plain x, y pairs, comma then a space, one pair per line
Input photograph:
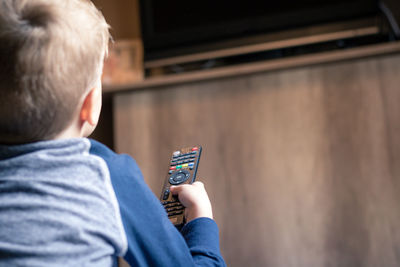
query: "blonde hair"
51, 54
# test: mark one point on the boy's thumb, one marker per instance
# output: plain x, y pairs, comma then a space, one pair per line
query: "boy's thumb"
174, 189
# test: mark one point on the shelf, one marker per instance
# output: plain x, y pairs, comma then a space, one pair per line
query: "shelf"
272, 41
269, 65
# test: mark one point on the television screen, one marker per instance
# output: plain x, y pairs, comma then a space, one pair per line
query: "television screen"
172, 24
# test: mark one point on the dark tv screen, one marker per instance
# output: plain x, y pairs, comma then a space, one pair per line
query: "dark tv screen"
170, 24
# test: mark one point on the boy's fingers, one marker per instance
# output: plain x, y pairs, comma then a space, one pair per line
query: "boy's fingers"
198, 184
175, 189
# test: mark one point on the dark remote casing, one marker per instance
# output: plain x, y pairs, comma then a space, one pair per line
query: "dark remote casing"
182, 169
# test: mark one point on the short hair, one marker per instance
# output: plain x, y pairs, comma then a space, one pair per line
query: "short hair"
51, 54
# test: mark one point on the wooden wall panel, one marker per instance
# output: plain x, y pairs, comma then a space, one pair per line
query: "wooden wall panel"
302, 165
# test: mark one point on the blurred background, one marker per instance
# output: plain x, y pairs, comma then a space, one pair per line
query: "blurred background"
296, 106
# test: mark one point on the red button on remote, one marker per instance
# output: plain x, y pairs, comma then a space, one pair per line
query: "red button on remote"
195, 149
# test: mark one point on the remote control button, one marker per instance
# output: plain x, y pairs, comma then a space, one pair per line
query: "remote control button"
171, 205
176, 154
195, 148
175, 209
172, 168
171, 172
174, 214
191, 165
166, 194
185, 165
179, 208
179, 177
174, 205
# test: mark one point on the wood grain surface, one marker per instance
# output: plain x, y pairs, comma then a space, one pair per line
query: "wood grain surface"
302, 166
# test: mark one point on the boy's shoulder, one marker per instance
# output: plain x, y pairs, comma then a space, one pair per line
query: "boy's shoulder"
99, 149
121, 166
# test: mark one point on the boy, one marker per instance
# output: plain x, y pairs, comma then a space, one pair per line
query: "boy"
66, 200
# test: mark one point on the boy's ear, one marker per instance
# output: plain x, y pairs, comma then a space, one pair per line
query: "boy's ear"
91, 107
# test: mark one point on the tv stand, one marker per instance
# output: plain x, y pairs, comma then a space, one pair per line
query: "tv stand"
230, 58
272, 41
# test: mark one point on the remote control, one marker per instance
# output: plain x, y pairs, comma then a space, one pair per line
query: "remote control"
182, 169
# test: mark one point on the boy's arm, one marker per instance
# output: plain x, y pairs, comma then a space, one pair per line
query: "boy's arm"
152, 239
200, 224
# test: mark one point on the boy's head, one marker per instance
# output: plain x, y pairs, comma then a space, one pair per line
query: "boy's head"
51, 56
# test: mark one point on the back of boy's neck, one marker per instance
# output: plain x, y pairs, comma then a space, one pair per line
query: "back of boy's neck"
68, 133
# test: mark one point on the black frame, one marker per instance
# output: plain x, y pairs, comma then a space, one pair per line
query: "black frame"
157, 44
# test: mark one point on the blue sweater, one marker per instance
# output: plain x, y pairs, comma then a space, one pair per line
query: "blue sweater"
75, 202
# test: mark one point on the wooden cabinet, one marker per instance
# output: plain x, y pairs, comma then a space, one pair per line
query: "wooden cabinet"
302, 165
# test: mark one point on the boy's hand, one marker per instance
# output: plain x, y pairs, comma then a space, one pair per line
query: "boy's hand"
194, 197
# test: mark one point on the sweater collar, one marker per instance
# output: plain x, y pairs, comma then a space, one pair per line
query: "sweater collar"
60, 146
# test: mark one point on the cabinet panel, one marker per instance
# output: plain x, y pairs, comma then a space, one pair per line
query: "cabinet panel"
302, 165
